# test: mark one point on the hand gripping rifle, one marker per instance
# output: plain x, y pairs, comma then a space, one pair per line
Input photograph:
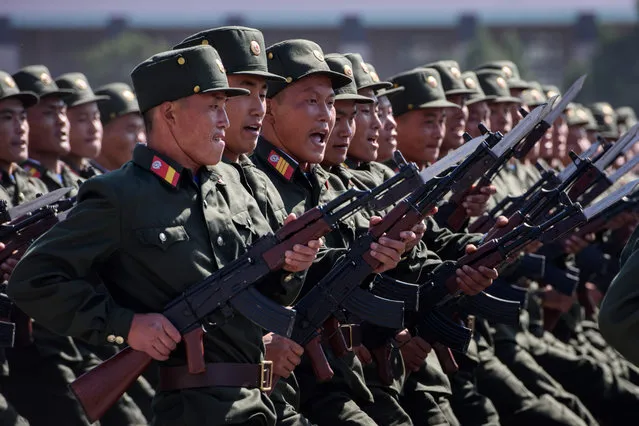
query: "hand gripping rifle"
232, 287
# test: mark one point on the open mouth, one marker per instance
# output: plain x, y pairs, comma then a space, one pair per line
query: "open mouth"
253, 128
318, 138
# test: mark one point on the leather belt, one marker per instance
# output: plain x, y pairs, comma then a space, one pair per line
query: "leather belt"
218, 375
352, 334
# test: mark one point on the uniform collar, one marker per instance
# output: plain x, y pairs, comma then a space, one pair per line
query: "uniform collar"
352, 163
34, 168
277, 159
165, 168
98, 166
390, 163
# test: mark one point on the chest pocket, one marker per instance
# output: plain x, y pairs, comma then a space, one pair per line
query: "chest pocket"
245, 227
162, 237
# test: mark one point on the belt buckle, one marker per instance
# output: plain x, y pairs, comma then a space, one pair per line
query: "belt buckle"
266, 376
349, 344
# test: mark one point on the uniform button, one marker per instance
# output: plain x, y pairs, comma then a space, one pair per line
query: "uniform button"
21, 196
205, 204
119, 340
110, 338
220, 241
162, 236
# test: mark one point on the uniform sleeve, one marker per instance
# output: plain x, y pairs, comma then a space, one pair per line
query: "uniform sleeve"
51, 283
619, 314
447, 244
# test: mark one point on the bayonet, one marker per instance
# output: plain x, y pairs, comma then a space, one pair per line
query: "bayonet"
30, 206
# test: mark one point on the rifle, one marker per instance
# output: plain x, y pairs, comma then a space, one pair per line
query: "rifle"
232, 287
340, 290
453, 213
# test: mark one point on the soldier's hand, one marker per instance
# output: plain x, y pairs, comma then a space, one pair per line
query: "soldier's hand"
388, 251
472, 281
575, 244
476, 204
285, 354
419, 231
8, 265
154, 335
414, 350
302, 256
363, 354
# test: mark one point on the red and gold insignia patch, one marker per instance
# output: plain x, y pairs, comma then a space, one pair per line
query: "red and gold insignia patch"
281, 165
166, 172
33, 171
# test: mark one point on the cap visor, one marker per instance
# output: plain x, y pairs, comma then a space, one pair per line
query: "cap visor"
28, 99
267, 75
353, 97
62, 93
338, 79
506, 99
438, 104
519, 84
377, 86
479, 99
228, 91
89, 99
459, 92
390, 92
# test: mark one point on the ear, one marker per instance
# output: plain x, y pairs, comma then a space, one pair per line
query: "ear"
167, 111
270, 104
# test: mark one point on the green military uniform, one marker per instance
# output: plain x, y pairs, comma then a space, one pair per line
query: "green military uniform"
16, 187
52, 359
203, 224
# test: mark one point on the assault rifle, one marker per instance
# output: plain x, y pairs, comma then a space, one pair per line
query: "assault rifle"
232, 288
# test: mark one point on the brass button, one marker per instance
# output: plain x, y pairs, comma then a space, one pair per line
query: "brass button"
21, 196
119, 340
110, 338
162, 236
220, 241
196, 89
289, 79
205, 42
181, 61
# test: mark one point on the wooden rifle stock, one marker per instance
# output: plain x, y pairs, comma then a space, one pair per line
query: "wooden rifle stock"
98, 389
551, 318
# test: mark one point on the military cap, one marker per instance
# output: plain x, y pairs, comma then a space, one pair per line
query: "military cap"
388, 91
451, 77
340, 63
121, 101
493, 83
577, 115
606, 119
241, 48
626, 116
476, 92
37, 79
296, 59
510, 70
422, 89
362, 74
179, 73
550, 90
592, 124
534, 96
10, 90
82, 91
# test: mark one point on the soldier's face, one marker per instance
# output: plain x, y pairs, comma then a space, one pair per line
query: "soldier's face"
301, 118
342, 134
86, 130
14, 133
49, 126
245, 115
455, 122
199, 127
420, 134
388, 132
120, 137
500, 117
560, 137
364, 145
577, 139
514, 108
478, 112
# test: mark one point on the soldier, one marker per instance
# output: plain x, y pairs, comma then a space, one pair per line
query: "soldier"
502, 104
300, 117
17, 186
134, 246
476, 102
243, 52
85, 137
122, 124
48, 129
626, 118
516, 84
577, 120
